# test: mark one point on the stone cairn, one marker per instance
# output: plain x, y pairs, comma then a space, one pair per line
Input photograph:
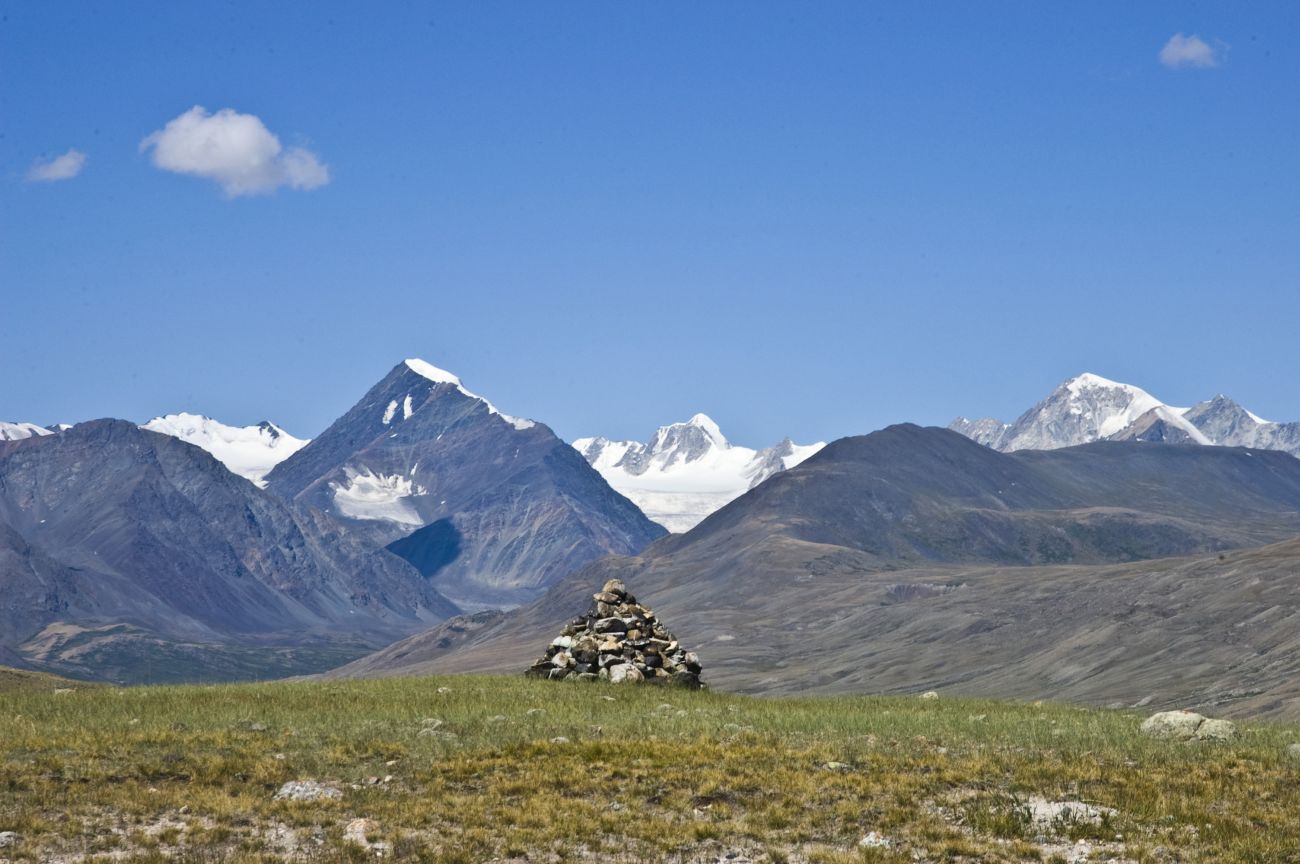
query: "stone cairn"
618, 640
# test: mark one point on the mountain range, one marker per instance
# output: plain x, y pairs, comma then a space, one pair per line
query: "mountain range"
1062, 555
1091, 408
124, 551
186, 548
687, 470
913, 558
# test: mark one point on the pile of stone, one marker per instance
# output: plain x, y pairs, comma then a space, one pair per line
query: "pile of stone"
618, 640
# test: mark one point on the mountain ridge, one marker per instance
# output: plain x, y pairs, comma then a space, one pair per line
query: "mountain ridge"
1090, 408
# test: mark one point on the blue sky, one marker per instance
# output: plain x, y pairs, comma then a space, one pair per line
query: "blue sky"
801, 219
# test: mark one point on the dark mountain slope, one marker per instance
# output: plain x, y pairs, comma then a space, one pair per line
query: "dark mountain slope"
108, 525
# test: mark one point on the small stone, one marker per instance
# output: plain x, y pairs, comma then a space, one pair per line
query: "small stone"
135, 721
929, 695
875, 841
432, 722
185, 810
1293, 750
256, 727
279, 757
63, 691
609, 698
562, 642
9, 839
444, 689
621, 673
496, 718
616, 587
372, 781
535, 712
837, 766
559, 739
306, 790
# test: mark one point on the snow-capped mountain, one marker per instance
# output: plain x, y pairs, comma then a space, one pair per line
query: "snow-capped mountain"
1091, 408
18, 431
491, 508
687, 470
249, 451
1229, 424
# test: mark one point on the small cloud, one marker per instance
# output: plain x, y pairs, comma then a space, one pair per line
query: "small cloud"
63, 167
236, 150
1188, 52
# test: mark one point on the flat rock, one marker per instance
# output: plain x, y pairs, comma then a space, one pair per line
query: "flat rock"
306, 790
1046, 815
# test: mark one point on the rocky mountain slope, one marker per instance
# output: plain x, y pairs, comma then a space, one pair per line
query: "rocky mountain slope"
491, 508
913, 558
124, 551
249, 451
1091, 408
687, 470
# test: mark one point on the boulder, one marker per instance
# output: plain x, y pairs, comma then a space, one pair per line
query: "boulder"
1187, 726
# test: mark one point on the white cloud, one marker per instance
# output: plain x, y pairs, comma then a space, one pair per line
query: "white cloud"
236, 150
63, 167
1188, 52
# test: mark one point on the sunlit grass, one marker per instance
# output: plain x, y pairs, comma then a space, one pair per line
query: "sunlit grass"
475, 768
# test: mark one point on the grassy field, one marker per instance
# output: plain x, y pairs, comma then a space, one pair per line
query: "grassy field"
470, 769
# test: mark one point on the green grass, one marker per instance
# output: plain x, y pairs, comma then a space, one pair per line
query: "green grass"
647, 774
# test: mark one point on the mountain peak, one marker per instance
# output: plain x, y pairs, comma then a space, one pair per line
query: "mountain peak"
425, 369
1091, 381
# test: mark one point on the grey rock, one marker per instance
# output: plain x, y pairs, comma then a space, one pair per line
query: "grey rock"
1178, 725
306, 790
1188, 725
1216, 730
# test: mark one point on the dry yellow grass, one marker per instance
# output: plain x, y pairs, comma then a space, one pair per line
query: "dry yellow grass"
469, 769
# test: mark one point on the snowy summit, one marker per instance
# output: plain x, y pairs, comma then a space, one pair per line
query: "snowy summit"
18, 431
249, 451
687, 470
1092, 408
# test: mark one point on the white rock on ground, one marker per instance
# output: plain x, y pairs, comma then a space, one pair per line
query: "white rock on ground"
1048, 814
1186, 725
306, 790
